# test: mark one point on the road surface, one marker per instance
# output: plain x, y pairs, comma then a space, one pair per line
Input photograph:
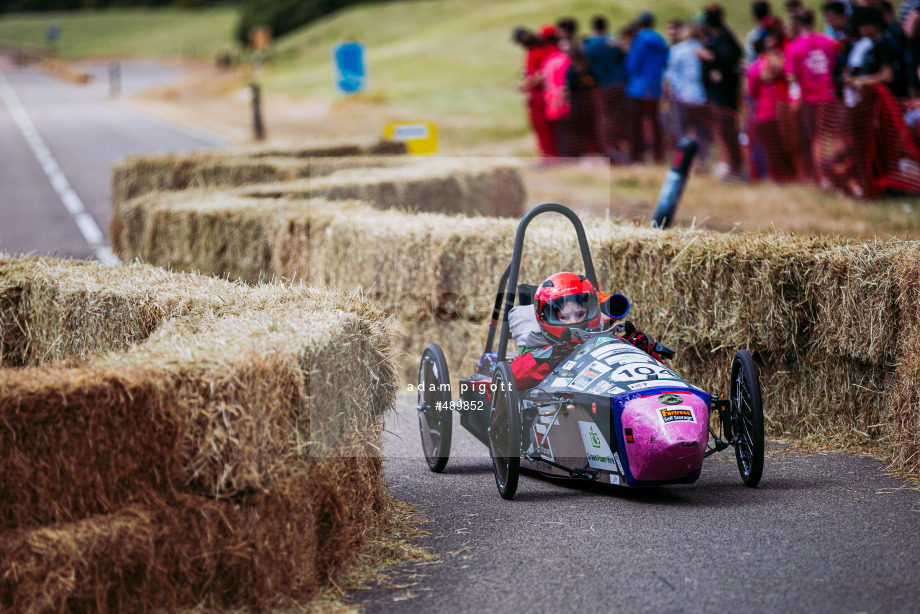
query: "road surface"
822, 533
58, 142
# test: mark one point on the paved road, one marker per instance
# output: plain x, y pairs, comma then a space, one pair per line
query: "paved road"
84, 132
823, 533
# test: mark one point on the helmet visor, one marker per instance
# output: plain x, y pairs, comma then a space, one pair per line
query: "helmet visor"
571, 310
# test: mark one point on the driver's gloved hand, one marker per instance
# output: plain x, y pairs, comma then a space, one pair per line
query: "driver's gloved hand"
562, 350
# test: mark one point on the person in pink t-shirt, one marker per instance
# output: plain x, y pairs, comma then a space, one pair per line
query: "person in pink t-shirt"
556, 94
809, 63
766, 88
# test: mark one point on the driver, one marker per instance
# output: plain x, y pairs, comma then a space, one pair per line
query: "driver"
565, 300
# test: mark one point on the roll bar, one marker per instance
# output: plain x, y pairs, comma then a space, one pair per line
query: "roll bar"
509, 279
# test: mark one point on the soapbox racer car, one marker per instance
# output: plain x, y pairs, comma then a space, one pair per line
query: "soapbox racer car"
608, 412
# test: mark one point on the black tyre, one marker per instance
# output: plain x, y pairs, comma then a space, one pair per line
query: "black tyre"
435, 419
747, 418
505, 432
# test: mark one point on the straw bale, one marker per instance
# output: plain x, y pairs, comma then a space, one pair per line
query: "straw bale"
855, 293
471, 186
265, 549
327, 149
57, 310
228, 454
64, 70
139, 174
224, 234
906, 402
78, 439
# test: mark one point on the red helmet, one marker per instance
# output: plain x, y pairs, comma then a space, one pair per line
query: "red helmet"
566, 300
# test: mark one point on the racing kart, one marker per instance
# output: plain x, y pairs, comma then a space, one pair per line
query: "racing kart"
608, 412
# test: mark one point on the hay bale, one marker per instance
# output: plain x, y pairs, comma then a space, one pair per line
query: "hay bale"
471, 186
133, 176
220, 418
825, 318
64, 70
906, 401
266, 549
855, 292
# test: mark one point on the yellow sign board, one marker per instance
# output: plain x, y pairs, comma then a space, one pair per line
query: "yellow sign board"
421, 138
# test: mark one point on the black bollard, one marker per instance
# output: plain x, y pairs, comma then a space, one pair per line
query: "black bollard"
257, 126
674, 182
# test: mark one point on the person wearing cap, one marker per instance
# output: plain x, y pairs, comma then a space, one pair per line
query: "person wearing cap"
645, 64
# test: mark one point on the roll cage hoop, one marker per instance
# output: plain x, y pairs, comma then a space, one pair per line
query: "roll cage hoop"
504, 300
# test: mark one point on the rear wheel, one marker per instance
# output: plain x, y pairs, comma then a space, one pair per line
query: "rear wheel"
505, 431
747, 418
435, 419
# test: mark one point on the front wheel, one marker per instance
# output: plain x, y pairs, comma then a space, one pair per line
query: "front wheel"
434, 414
505, 431
747, 418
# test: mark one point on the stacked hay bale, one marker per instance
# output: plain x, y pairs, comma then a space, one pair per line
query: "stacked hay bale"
470, 186
171, 440
64, 70
136, 175
826, 319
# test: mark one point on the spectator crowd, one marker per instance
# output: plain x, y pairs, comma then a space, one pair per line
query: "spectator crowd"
834, 105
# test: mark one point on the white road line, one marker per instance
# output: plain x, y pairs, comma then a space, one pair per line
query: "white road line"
84, 221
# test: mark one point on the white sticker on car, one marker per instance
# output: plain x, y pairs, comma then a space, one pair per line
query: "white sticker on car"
596, 448
640, 371
653, 383
589, 374
561, 382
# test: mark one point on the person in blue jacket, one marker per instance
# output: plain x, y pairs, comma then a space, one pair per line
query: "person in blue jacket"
645, 64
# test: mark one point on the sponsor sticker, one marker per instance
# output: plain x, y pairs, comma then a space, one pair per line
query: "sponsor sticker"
596, 448
602, 341
569, 365
614, 479
602, 386
589, 374
560, 382
677, 413
629, 436
671, 399
616, 457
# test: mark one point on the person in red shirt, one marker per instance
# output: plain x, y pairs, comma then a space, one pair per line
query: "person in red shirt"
565, 300
769, 91
532, 86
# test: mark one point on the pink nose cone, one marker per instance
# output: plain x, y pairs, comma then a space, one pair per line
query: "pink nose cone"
669, 435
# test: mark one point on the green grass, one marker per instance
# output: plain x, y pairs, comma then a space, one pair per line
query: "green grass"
451, 58
126, 32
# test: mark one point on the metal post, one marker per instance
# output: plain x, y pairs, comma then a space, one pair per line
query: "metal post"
258, 128
114, 78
